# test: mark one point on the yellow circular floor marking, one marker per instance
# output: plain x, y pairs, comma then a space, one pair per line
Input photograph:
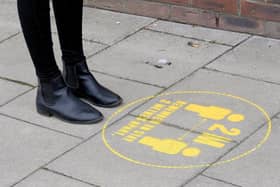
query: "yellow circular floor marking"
190, 151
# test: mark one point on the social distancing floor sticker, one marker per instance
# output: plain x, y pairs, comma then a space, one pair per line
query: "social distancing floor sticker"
185, 129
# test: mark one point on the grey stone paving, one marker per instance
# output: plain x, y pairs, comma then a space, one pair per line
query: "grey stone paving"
43, 178
135, 57
109, 27
19, 66
130, 55
259, 169
9, 23
24, 109
225, 83
125, 173
262, 63
209, 182
24, 148
12, 90
197, 32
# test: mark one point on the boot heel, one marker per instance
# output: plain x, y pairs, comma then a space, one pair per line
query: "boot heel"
43, 112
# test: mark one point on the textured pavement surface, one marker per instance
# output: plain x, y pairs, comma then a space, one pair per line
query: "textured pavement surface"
151, 64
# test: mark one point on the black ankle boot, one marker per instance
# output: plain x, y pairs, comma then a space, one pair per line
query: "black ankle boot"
78, 77
54, 98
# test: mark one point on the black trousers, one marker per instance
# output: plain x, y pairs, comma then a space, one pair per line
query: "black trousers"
35, 22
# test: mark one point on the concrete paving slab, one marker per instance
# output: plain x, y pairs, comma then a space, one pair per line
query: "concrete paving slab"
94, 163
257, 58
135, 58
203, 181
24, 148
19, 66
261, 168
24, 106
9, 23
255, 91
109, 27
6, 32
90, 48
10, 90
202, 33
43, 178
8, 13
144, 57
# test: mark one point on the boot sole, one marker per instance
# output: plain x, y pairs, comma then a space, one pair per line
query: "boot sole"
50, 114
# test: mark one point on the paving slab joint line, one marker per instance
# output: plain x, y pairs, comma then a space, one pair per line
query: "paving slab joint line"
65, 152
68, 176
85, 39
242, 76
95, 41
117, 11
211, 61
17, 81
220, 180
227, 51
40, 126
226, 153
122, 39
169, 125
196, 70
52, 160
69, 150
143, 28
189, 37
14, 98
9, 37
192, 73
123, 78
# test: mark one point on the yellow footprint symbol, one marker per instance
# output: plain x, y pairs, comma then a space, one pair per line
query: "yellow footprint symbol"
170, 146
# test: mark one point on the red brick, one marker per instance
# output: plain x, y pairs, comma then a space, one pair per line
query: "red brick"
193, 16
228, 6
260, 10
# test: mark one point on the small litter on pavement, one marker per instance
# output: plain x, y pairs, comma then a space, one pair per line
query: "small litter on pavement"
195, 45
160, 63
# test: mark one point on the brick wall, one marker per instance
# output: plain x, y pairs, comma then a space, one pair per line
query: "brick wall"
253, 16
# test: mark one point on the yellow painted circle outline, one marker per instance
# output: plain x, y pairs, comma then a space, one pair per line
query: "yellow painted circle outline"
115, 152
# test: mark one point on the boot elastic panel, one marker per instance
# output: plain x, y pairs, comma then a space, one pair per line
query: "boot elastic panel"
70, 75
50, 86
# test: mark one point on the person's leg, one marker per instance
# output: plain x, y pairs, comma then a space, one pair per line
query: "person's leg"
35, 22
53, 98
69, 15
75, 69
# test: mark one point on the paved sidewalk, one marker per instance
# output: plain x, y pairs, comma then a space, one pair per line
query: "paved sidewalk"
197, 108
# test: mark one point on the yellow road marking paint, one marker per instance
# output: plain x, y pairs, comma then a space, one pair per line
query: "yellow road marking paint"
246, 153
212, 140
